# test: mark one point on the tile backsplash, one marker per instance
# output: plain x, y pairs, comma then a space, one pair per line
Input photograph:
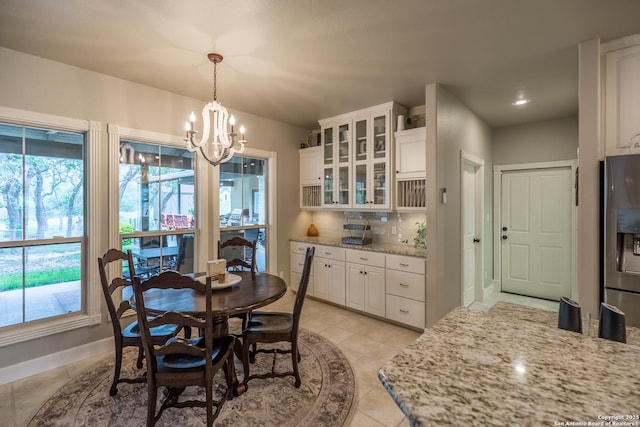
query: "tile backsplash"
386, 227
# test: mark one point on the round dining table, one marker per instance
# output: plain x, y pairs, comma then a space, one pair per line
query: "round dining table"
254, 290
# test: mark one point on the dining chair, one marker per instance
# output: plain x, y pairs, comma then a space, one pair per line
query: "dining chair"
236, 251
127, 336
272, 327
182, 362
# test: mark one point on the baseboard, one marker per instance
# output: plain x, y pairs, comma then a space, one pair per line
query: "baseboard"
489, 290
55, 360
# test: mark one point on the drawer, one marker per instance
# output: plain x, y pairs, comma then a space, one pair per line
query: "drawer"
406, 263
365, 257
330, 252
406, 311
299, 247
297, 262
406, 285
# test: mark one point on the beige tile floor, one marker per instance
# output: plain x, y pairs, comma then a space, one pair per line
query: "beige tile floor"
367, 343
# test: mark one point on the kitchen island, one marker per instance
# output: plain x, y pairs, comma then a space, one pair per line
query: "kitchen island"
513, 366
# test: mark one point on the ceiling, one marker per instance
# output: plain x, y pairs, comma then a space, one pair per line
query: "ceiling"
298, 61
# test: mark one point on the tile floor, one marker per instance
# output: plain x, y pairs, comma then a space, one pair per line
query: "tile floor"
367, 343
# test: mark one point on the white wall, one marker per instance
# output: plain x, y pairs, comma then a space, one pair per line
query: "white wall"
40, 85
456, 128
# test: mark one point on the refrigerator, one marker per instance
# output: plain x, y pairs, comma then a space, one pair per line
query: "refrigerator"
622, 235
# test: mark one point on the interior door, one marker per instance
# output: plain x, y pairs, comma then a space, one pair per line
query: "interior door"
536, 232
470, 233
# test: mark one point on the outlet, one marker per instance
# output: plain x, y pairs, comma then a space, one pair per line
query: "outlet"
394, 231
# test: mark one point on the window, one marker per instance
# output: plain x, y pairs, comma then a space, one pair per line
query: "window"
42, 223
243, 203
156, 199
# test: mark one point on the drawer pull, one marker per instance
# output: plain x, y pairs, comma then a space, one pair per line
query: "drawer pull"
402, 310
364, 258
404, 285
328, 253
404, 264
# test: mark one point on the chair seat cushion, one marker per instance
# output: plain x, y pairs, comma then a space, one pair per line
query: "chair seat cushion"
187, 361
269, 322
133, 330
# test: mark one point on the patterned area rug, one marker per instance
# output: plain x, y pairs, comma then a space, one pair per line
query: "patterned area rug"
325, 397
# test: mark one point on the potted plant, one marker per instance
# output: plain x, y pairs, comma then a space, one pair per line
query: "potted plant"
420, 241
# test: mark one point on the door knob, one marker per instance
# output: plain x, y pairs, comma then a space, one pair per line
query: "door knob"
504, 228
504, 237
476, 240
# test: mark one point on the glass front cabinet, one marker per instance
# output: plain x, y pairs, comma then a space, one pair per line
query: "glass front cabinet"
358, 156
336, 143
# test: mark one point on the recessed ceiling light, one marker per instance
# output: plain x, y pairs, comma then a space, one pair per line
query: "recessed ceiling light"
521, 101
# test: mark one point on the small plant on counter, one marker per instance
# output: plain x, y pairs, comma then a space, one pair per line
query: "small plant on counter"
420, 241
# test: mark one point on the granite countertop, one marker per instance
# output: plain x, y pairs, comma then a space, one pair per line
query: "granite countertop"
388, 248
513, 366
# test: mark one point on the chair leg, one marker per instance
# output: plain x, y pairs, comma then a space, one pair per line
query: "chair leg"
152, 391
245, 362
140, 357
294, 360
116, 374
187, 332
252, 354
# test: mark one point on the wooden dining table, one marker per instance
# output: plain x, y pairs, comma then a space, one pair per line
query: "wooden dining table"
254, 290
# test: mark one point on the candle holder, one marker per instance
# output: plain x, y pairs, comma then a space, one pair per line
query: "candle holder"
569, 317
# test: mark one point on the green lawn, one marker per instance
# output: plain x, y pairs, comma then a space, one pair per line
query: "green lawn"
38, 278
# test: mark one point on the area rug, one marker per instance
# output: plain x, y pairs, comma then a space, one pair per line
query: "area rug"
325, 397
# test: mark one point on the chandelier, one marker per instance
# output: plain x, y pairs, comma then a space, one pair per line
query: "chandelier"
218, 143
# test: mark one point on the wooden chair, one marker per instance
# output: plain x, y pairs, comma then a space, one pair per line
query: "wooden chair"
237, 262
180, 362
128, 336
271, 327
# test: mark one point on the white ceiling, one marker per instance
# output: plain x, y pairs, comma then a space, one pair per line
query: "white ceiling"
298, 61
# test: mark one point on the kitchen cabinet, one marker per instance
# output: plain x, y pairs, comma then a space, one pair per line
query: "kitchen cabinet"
411, 169
297, 254
310, 177
329, 274
358, 158
622, 96
336, 162
365, 281
405, 290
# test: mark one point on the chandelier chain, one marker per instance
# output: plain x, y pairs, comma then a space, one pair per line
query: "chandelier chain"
215, 78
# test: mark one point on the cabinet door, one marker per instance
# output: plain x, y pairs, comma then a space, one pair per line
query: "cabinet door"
311, 166
337, 282
374, 291
622, 101
379, 185
322, 279
360, 179
294, 281
355, 286
411, 157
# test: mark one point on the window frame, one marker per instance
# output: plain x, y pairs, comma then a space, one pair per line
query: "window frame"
13, 334
270, 225
116, 134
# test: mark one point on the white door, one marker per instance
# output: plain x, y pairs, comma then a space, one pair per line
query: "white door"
470, 232
536, 232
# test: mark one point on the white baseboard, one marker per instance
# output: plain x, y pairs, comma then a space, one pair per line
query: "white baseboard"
55, 360
489, 290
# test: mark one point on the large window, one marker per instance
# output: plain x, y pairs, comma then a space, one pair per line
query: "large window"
157, 206
42, 223
243, 203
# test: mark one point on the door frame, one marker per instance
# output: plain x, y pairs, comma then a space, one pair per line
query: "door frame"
478, 163
497, 220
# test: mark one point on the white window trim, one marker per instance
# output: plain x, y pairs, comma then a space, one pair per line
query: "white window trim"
29, 331
271, 196
116, 133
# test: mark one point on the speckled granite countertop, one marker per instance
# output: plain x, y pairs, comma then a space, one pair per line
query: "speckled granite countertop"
513, 366
374, 247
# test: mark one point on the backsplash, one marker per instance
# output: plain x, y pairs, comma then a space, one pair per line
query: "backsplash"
329, 224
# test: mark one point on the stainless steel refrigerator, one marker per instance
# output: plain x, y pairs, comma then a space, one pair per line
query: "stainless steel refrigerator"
622, 235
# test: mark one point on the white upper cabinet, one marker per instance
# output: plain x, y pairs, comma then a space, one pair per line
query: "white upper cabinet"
310, 177
358, 158
622, 96
336, 162
411, 169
